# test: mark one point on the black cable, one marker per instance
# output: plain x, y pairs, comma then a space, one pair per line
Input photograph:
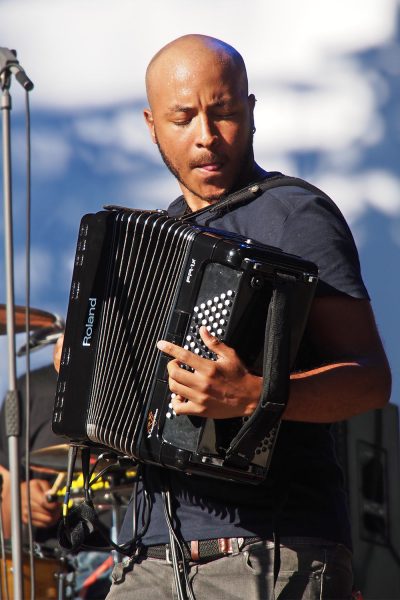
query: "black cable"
85, 458
146, 512
129, 547
72, 454
27, 329
100, 474
86, 512
178, 562
102, 456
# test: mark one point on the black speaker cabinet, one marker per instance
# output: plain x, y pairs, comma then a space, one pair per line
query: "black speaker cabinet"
369, 450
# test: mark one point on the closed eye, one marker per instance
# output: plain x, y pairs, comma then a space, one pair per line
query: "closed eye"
182, 123
226, 116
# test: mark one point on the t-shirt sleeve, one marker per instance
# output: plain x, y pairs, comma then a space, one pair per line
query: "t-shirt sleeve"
316, 230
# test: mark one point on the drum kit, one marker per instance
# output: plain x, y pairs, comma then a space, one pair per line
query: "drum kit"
55, 570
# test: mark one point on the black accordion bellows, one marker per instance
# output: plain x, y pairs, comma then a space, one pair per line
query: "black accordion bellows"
139, 277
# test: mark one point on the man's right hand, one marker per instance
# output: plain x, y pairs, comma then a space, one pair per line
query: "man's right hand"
44, 513
57, 353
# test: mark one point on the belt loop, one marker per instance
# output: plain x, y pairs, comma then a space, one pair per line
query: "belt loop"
194, 550
235, 546
168, 554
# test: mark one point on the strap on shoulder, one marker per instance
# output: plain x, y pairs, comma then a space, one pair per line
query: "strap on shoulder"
274, 179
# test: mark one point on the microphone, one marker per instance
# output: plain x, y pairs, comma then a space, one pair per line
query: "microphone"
9, 62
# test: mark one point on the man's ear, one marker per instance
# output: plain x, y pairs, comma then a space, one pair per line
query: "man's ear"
148, 116
252, 102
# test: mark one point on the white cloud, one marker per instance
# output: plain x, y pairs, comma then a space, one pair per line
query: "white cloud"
51, 152
124, 129
312, 96
339, 110
353, 194
86, 53
155, 193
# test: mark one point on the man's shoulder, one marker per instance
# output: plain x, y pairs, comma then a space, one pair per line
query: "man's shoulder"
289, 197
292, 191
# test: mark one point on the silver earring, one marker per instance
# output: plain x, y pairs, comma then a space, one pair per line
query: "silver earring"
253, 130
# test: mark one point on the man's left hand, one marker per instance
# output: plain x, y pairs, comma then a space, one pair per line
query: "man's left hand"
217, 389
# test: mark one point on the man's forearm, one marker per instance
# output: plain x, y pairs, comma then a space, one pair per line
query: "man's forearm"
6, 502
338, 391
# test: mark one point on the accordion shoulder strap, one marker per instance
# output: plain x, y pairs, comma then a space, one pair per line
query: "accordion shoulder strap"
274, 179
276, 373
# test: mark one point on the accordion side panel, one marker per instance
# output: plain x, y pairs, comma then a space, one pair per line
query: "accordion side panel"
145, 292
72, 399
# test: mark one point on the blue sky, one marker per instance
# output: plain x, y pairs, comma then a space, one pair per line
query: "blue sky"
326, 78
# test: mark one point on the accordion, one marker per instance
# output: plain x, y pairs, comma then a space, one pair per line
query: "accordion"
141, 276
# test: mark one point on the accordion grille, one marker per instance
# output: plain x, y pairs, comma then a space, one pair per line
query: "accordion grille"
149, 251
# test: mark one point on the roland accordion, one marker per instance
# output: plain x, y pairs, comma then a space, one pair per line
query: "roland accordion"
141, 276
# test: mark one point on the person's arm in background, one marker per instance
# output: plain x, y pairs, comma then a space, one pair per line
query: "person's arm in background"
44, 513
6, 502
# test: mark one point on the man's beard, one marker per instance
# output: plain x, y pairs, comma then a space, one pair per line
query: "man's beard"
244, 170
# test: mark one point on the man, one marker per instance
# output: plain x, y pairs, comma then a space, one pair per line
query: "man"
45, 514
201, 118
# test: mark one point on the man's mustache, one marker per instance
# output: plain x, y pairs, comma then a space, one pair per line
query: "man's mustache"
206, 159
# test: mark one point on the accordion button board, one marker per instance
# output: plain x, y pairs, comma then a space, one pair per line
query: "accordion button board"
139, 277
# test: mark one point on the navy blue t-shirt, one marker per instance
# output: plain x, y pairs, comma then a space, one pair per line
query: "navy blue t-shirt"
303, 492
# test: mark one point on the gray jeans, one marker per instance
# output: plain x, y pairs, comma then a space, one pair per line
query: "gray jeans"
310, 570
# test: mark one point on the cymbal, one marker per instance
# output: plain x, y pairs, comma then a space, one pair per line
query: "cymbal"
37, 319
54, 459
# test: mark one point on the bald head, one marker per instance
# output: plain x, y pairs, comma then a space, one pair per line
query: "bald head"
190, 54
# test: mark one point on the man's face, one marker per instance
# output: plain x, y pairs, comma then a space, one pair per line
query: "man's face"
201, 120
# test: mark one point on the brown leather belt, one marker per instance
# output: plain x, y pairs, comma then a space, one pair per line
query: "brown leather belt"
198, 550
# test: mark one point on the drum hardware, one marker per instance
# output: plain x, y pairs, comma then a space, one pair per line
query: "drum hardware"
110, 476
42, 337
53, 579
53, 459
102, 492
38, 319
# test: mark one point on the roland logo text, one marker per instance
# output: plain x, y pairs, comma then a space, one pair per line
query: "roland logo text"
87, 338
191, 269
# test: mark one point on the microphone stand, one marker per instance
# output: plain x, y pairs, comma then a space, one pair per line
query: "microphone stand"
9, 63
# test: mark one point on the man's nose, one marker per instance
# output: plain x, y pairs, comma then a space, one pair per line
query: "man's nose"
207, 133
